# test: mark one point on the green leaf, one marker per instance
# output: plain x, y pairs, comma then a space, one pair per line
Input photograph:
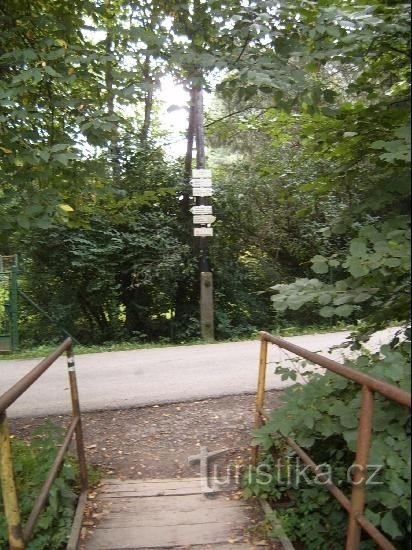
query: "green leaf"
357, 269
327, 311
390, 525
325, 298
391, 262
50, 71
59, 147
64, 158
361, 297
334, 263
319, 259
320, 267
334, 31
349, 418
404, 133
342, 299
344, 310
374, 517
357, 247
351, 437
44, 155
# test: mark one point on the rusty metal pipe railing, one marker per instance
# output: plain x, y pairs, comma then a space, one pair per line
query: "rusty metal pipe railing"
388, 390
10, 396
74, 393
361, 461
374, 533
355, 506
17, 536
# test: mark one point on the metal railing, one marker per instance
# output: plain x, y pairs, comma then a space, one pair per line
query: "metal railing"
17, 534
354, 506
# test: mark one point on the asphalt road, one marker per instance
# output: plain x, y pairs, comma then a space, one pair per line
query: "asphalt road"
124, 379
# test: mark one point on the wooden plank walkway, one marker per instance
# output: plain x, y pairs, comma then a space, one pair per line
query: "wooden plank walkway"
167, 513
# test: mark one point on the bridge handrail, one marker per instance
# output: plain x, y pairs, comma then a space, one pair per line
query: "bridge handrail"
355, 506
19, 536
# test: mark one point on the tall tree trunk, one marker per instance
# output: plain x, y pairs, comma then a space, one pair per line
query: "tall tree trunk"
184, 297
198, 127
189, 151
148, 102
114, 151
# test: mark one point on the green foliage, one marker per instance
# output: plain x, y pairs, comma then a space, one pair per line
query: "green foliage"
322, 417
267, 224
341, 74
308, 515
31, 462
376, 264
110, 272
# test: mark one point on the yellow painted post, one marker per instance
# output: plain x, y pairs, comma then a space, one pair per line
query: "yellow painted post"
8, 489
260, 394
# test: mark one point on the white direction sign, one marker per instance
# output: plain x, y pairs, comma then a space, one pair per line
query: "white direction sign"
204, 218
201, 183
201, 173
203, 209
202, 192
203, 232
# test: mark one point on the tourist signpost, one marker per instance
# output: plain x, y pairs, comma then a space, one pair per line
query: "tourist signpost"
201, 183
202, 209
203, 219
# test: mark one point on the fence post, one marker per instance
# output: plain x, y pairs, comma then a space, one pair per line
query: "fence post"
8, 488
76, 413
14, 311
360, 468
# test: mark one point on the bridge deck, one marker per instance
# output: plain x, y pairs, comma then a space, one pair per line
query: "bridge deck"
167, 513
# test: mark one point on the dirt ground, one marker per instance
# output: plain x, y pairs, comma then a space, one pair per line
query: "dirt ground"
157, 441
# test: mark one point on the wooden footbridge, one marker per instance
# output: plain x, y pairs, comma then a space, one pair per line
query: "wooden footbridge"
184, 513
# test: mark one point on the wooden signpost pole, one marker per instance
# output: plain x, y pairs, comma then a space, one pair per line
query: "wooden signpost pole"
206, 277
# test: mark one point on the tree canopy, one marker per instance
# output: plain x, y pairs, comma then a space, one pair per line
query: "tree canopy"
310, 114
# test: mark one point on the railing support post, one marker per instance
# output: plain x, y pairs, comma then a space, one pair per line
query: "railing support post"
260, 394
8, 488
360, 468
76, 413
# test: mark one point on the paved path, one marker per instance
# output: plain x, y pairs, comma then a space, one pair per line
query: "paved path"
125, 379
167, 513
